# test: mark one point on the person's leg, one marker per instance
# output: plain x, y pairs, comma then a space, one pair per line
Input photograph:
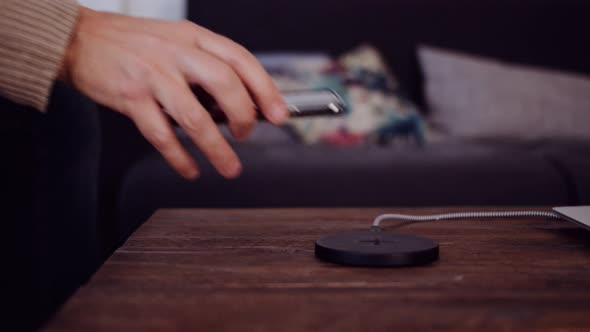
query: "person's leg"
51, 174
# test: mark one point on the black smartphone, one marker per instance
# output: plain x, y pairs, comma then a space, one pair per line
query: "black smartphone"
300, 103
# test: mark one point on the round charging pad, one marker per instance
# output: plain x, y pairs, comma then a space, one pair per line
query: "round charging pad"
376, 249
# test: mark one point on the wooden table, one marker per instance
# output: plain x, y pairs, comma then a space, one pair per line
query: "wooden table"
254, 270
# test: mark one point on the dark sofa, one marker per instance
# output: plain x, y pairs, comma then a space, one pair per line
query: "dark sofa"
280, 172
49, 175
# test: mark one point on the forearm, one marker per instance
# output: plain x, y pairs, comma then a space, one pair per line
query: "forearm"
34, 35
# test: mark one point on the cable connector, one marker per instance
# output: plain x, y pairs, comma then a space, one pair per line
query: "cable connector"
375, 229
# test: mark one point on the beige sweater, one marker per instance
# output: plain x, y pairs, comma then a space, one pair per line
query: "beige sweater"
34, 35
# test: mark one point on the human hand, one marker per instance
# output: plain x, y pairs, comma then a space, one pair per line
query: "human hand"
140, 67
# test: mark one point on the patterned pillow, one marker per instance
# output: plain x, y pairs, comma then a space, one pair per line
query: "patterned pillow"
377, 113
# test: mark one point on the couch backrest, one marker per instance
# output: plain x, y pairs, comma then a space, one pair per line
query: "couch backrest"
548, 33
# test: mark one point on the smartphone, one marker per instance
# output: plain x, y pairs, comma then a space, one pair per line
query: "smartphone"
300, 103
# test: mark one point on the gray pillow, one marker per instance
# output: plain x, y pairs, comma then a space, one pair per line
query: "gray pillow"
475, 97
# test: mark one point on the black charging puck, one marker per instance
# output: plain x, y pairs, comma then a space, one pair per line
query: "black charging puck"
376, 249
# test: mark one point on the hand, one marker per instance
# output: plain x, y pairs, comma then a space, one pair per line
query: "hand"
140, 67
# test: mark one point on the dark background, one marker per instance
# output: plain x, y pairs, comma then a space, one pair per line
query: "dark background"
547, 33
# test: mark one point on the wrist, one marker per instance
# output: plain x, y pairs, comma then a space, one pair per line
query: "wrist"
70, 53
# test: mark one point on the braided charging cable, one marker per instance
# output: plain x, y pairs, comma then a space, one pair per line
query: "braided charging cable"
464, 215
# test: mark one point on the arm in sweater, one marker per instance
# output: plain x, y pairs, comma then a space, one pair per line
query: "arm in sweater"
34, 35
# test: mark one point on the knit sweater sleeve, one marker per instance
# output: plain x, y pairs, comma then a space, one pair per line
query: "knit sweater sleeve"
34, 35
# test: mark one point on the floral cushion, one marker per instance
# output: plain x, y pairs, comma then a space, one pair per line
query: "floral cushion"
377, 112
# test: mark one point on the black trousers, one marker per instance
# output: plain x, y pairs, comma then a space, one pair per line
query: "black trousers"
48, 179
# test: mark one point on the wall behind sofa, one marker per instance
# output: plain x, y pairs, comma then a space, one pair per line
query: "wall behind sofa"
165, 9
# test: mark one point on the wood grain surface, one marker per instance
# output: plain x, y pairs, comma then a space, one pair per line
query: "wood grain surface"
255, 270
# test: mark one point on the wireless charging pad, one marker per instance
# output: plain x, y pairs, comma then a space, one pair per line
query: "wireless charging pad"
378, 249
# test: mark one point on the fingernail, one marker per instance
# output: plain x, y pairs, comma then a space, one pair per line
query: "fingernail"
193, 175
279, 113
241, 134
233, 171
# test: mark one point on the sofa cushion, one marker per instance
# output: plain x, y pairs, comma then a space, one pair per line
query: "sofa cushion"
572, 159
292, 175
577, 167
477, 97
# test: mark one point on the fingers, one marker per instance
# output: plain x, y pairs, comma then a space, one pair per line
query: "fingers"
181, 104
224, 85
155, 128
259, 83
